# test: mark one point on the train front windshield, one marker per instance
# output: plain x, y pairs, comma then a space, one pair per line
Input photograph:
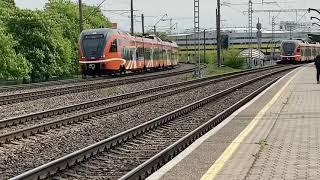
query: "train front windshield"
93, 45
288, 48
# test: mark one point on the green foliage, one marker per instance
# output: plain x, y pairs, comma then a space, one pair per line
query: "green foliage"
43, 43
7, 8
210, 58
12, 65
65, 15
233, 59
9, 2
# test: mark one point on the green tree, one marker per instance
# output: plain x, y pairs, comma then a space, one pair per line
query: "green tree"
7, 8
65, 14
12, 65
41, 43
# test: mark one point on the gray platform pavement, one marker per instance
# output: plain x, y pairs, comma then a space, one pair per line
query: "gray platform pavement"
284, 142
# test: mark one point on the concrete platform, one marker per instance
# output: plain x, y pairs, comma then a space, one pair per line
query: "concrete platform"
275, 136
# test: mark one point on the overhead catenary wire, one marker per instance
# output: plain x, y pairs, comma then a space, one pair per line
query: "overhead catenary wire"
97, 8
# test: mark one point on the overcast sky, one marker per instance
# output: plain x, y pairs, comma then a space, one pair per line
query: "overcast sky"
182, 12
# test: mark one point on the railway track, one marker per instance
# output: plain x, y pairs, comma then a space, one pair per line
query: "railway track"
150, 145
56, 83
44, 84
90, 85
23, 126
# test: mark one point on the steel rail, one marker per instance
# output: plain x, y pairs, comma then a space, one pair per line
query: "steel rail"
57, 165
23, 133
44, 84
80, 106
52, 83
28, 96
157, 161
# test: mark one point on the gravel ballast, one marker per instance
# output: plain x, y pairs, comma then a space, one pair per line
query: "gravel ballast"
41, 149
102, 80
218, 86
23, 108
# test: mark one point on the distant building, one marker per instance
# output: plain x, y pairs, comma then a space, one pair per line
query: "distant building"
237, 37
293, 26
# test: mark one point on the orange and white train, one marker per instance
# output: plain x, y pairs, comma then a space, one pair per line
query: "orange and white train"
297, 51
105, 51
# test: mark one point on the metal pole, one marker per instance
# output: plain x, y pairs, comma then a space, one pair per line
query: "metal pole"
132, 25
199, 55
290, 28
197, 32
81, 15
142, 19
204, 45
272, 39
154, 30
250, 32
218, 33
188, 57
171, 26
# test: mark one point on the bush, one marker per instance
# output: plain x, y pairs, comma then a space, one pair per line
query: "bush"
233, 59
211, 57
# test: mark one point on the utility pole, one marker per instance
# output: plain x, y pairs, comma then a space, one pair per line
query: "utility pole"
197, 31
81, 16
154, 30
132, 25
204, 45
250, 31
142, 20
259, 37
273, 31
188, 57
218, 17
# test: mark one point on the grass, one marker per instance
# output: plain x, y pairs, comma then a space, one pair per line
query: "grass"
186, 77
213, 69
210, 70
262, 143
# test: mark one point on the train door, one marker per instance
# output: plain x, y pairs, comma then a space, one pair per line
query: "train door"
302, 53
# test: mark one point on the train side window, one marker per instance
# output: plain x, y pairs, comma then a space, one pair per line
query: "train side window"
147, 53
114, 46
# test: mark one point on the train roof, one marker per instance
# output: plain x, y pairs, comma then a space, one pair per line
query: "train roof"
109, 31
301, 42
